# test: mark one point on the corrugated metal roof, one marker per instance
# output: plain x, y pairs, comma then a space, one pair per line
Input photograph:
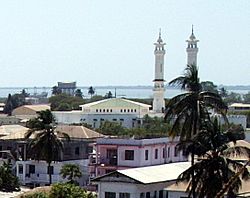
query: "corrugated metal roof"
153, 174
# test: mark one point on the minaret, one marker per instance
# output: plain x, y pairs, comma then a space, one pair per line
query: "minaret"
159, 102
192, 49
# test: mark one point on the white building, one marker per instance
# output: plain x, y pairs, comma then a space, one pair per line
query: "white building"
67, 87
239, 107
117, 154
36, 173
192, 49
126, 112
159, 90
145, 182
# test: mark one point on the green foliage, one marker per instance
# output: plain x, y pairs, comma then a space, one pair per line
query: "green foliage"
111, 128
91, 91
8, 108
150, 127
56, 90
78, 93
95, 98
36, 195
246, 97
209, 86
109, 95
71, 172
66, 190
233, 97
8, 181
64, 102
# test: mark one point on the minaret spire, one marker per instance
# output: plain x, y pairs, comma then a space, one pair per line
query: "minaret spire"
192, 49
159, 102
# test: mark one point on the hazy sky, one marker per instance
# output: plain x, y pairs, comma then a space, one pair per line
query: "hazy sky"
97, 42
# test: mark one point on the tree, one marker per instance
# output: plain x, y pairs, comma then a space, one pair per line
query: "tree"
109, 95
8, 108
71, 172
188, 110
78, 93
111, 128
91, 91
223, 92
56, 90
8, 181
215, 165
24, 93
246, 97
46, 144
209, 86
233, 97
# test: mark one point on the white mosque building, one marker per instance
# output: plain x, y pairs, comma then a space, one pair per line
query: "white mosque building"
126, 112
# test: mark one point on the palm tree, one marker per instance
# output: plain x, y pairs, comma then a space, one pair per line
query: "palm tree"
216, 165
46, 144
71, 172
188, 110
91, 91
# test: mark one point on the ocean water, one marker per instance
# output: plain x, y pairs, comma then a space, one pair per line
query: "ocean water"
127, 92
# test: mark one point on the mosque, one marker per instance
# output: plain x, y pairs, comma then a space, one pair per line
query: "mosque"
159, 89
129, 113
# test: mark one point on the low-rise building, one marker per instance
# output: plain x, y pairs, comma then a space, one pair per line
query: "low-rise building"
126, 112
239, 107
145, 182
116, 154
75, 151
67, 87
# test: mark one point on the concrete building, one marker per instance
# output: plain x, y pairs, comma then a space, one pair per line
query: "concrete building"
159, 90
239, 107
33, 172
145, 182
116, 154
126, 112
192, 49
67, 87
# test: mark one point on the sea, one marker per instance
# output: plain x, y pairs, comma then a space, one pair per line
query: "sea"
119, 91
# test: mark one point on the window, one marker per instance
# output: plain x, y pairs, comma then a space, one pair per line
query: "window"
100, 110
121, 110
50, 170
96, 110
124, 110
168, 152
111, 110
20, 167
128, 110
148, 195
107, 110
1, 148
77, 151
163, 153
161, 194
146, 154
142, 195
155, 194
110, 195
175, 151
156, 153
114, 119
135, 110
32, 169
124, 195
103, 110
131, 110
129, 155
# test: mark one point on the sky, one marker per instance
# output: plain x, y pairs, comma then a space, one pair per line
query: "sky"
99, 43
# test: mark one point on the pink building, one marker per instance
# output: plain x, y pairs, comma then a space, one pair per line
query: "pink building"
116, 154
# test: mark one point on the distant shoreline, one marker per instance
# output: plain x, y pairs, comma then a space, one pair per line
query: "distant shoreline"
227, 87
